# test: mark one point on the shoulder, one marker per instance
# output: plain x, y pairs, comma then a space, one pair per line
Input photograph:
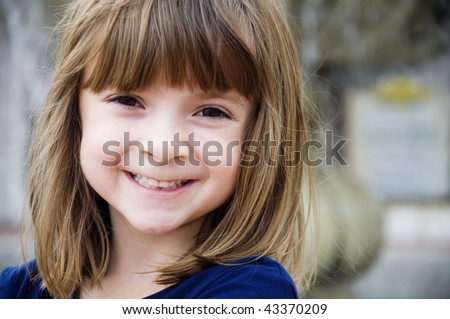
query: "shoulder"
21, 282
249, 278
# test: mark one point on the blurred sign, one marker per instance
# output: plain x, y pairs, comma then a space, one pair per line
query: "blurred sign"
399, 139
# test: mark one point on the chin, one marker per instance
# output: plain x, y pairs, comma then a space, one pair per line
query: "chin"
152, 229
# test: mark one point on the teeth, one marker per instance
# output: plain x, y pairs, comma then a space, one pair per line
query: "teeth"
163, 184
155, 184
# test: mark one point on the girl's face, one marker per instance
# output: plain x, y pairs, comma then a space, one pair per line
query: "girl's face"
162, 157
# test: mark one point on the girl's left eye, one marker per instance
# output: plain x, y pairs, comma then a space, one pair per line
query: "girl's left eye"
212, 112
127, 101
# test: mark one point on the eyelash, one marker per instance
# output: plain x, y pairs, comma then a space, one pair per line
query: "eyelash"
222, 114
120, 100
123, 99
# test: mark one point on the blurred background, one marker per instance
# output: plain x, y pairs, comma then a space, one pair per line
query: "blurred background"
377, 73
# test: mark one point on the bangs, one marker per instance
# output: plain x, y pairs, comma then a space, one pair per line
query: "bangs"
193, 43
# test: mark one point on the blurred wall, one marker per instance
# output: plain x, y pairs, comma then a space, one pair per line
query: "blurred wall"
24, 73
378, 73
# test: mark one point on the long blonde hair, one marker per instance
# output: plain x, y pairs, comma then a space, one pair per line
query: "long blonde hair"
245, 45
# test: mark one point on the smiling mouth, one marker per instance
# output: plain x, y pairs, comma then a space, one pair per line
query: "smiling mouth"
151, 183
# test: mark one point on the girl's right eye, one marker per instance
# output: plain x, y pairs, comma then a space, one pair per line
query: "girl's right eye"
126, 101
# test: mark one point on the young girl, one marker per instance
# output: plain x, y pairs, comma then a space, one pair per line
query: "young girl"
159, 166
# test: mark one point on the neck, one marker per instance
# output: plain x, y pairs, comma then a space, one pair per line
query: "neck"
135, 251
137, 257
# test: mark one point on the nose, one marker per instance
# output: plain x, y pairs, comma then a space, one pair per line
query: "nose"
167, 142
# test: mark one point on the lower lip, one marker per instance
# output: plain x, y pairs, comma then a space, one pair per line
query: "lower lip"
161, 192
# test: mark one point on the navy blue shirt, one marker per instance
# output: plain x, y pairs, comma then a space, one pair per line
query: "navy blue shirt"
260, 279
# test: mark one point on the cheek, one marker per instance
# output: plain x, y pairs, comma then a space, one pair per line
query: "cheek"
99, 155
222, 160
102, 136
223, 150
102, 144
